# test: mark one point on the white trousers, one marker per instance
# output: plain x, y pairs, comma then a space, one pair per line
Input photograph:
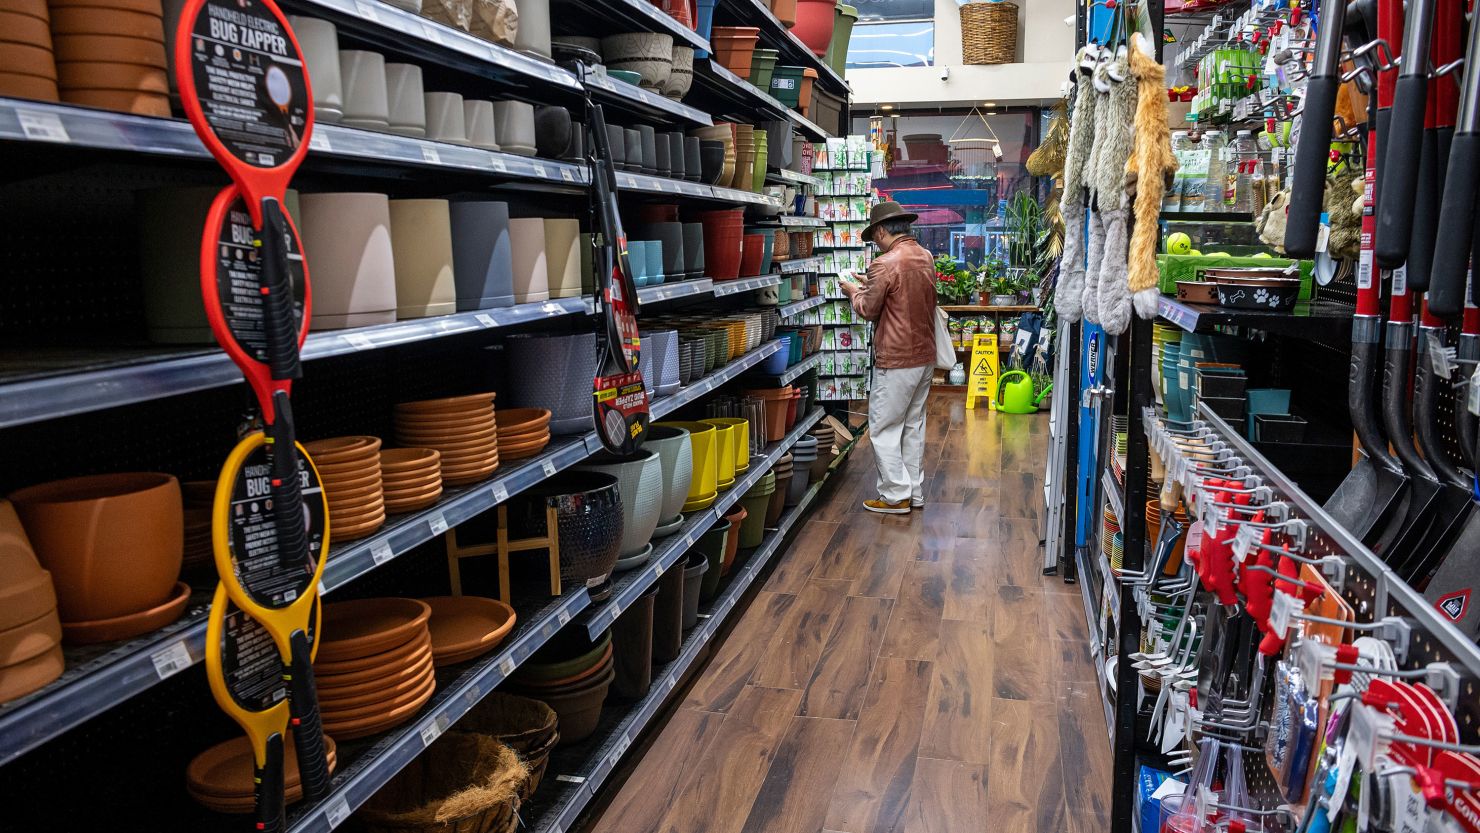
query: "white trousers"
896, 424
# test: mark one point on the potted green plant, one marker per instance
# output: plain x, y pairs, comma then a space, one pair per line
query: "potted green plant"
952, 284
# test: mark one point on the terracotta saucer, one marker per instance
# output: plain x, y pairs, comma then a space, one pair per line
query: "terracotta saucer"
140, 104
337, 485
28, 86
102, 75
30, 639
341, 704
362, 627
25, 677
376, 705
123, 627
519, 419
474, 464
343, 449
25, 28
355, 517
408, 459
350, 470
455, 454
414, 492
345, 496
225, 770
439, 437
439, 419
470, 478
353, 670
31, 8
357, 531
26, 59
524, 447
331, 687
402, 507
378, 722
467, 623
206, 793
412, 482
449, 403
29, 597
107, 48
142, 6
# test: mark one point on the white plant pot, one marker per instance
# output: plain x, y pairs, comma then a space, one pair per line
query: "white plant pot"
640, 481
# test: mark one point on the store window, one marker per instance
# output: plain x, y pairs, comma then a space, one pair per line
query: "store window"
946, 168
893, 33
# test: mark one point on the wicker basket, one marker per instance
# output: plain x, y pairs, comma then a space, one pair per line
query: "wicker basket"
989, 33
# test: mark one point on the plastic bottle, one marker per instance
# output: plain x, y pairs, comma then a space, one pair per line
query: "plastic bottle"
1216, 182
1243, 156
1172, 200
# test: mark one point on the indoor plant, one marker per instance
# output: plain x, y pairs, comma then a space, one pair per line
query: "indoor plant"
953, 284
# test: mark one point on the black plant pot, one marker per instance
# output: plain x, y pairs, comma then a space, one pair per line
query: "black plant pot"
634, 149
693, 250
588, 507
649, 149
577, 150
664, 159
692, 166
675, 155
616, 144
552, 131
711, 160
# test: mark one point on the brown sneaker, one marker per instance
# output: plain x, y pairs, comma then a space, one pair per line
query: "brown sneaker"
884, 507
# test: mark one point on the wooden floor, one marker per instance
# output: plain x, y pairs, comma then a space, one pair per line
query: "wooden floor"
915, 674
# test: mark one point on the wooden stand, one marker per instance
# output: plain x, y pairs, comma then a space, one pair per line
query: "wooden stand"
502, 547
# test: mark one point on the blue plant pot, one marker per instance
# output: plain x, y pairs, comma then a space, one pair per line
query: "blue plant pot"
706, 23
775, 364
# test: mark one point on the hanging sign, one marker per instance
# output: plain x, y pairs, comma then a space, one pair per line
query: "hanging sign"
982, 382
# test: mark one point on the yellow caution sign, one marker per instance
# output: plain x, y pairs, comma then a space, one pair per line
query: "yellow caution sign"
982, 382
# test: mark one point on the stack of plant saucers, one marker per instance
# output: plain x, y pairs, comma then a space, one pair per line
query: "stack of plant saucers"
221, 777
349, 468
467, 627
411, 477
462, 428
30, 632
27, 66
522, 432
374, 665
111, 54
571, 674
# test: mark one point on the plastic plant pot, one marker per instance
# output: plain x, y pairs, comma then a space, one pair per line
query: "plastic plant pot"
776, 409
693, 580
737, 516
786, 84
837, 51
734, 46
801, 478
632, 648
740, 438
776, 363
703, 439
778, 499
482, 255
762, 64
668, 617
756, 502
724, 456
640, 481
712, 545
814, 25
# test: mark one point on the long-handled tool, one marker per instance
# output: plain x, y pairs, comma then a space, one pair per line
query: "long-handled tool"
244, 87
1405, 146
619, 397
1461, 179
1308, 187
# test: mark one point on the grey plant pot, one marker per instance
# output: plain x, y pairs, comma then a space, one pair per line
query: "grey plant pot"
482, 263
676, 162
693, 250
554, 372
634, 149
640, 482
649, 139
691, 165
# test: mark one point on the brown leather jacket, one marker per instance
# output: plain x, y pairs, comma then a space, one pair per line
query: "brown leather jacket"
900, 298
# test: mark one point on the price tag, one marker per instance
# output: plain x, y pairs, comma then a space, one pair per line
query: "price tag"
42, 127
571, 779
669, 683
506, 666
547, 631
431, 155
1438, 356
473, 695
614, 612
498, 165
359, 341
1282, 610
500, 493
539, 170
548, 467
1364, 734
380, 552
563, 617
170, 661
433, 32
485, 319
552, 308
565, 174
620, 749
437, 523
319, 141
337, 813
367, 10
433, 730
658, 570
1243, 543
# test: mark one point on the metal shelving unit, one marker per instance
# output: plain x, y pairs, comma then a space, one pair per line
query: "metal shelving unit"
801, 264
797, 370
775, 34
92, 687
793, 177
788, 310
1324, 321
735, 287
629, 16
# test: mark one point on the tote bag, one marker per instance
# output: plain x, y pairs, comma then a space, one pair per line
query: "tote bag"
945, 352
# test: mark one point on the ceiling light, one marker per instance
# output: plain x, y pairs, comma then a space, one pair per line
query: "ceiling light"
887, 107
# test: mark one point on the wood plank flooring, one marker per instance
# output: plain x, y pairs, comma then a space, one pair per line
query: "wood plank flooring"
909, 674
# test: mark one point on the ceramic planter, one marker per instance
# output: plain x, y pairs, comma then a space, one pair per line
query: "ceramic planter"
681, 77
113, 543
711, 161
421, 239
703, 486
814, 24
406, 99
445, 118
734, 46
319, 42
365, 96
482, 255
672, 236
634, 148
677, 164
693, 582
649, 140
514, 123
588, 508
693, 162
723, 232
616, 145
632, 648
533, 34
640, 482
554, 373
531, 269
552, 131
675, 453
776, 404
479, 120
354, 280
648, 54
563, 257
740, 438
712, 545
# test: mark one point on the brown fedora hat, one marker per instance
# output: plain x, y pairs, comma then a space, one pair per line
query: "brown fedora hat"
888, 210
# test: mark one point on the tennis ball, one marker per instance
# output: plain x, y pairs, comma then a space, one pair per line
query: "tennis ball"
1195, 253
1179, 244
1264, 255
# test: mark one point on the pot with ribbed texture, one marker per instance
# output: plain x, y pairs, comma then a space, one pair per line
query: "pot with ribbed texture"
554, 372
675, 453
640, 481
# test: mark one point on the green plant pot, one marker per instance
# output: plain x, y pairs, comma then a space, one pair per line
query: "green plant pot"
837, 51
753, 528
712, 544
786, 84
762, 66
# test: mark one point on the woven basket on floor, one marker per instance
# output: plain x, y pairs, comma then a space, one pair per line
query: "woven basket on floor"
989, 33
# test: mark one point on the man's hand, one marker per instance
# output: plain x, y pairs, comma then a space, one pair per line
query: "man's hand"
849, 287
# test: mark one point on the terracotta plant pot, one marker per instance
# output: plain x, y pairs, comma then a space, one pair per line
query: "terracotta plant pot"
712, 546
723, 234
752, 249
734, 45
785, 11
814, 24
777, 400
113, 543
736, 518
804, 97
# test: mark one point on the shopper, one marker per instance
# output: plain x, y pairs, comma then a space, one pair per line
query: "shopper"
899, 296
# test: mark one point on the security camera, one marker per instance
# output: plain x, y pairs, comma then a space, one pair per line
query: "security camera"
945, 73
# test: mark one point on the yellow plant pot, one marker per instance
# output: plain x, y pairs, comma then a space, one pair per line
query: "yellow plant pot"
740, 438
704, 442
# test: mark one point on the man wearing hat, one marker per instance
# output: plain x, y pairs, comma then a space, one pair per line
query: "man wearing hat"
899, 297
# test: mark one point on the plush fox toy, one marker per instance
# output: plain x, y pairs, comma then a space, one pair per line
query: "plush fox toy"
1150, 165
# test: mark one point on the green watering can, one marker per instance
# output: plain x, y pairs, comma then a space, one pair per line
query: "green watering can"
1015, 393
